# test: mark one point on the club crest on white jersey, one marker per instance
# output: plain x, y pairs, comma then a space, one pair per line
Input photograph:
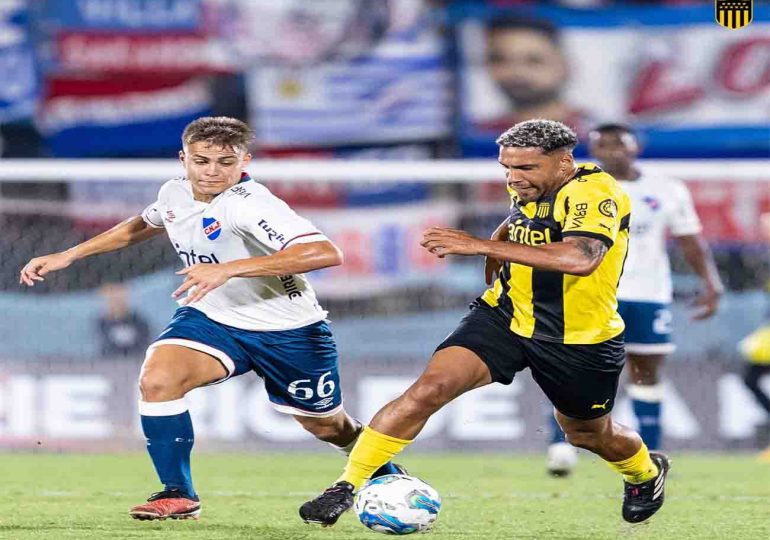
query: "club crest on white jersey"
212, 228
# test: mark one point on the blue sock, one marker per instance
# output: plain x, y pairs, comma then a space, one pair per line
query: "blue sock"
646, 401
557, 435
168, 429
648, 415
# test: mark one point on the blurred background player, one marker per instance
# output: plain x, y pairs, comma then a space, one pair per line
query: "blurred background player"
552, 309
123, 331
755, 348
247, 305
660, 205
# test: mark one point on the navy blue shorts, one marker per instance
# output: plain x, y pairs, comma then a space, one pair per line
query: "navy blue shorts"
648, 327
299, 366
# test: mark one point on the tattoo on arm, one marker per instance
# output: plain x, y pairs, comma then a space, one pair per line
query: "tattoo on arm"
592, 248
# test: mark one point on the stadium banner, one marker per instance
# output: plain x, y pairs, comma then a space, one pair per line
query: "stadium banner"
730, 211
120, 116
20, 89
382, 247
352, 71
321, 194
691, 86
109, 53
72, 405
122, 15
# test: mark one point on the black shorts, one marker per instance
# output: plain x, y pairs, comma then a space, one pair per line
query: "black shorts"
580, 380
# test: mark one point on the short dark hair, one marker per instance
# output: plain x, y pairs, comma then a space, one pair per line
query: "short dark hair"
547, 135
221, 131
615, 127
514, 22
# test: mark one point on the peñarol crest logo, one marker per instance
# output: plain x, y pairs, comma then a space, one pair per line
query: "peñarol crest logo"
733, 14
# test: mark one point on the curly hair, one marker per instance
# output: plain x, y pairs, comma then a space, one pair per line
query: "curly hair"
548, 135
220, 131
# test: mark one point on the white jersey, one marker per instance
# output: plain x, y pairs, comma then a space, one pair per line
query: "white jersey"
658, 205
244, 221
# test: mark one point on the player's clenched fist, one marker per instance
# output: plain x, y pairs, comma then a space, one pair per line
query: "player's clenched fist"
204, 278
38, 267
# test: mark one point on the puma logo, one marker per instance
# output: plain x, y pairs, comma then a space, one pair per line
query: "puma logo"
600, 405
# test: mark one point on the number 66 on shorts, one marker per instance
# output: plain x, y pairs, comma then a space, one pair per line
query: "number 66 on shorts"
324, 389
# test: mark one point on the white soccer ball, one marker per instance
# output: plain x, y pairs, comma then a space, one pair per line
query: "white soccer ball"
562, 458
397, 504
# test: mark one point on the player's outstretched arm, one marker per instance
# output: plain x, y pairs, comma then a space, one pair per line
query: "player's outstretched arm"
576, 255
296, 259
130, 231
698, 255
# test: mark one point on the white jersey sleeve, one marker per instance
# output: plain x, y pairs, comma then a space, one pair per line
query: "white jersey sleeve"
271, 222
683, 219
151, 216
153, 213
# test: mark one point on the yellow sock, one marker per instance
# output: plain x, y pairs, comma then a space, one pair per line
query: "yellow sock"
638, 468
372, 451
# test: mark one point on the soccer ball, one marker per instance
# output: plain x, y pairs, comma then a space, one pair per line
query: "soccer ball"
562, 458
397, 504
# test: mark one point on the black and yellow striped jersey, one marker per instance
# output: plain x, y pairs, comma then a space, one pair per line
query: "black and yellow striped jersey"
561, 307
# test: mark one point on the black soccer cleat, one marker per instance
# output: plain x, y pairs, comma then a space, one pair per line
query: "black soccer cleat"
327, 508
641, 501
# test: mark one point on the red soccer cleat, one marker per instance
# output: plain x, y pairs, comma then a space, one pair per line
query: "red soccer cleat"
167, 504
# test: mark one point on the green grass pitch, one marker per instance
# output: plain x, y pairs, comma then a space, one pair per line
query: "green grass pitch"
485, 496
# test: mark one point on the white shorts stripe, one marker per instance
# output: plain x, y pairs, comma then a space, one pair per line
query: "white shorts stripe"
227, 362
287, 409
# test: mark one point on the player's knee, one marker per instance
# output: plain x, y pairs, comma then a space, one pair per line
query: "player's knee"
584, 439
427, 396
644, 376
157, 385
589, 436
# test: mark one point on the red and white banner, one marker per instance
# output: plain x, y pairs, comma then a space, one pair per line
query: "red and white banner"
730, 211
694, 88
120, 116
115, 53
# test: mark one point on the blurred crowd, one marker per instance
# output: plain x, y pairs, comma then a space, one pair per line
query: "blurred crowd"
119, 78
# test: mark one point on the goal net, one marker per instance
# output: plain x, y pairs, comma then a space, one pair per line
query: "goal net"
73, 345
